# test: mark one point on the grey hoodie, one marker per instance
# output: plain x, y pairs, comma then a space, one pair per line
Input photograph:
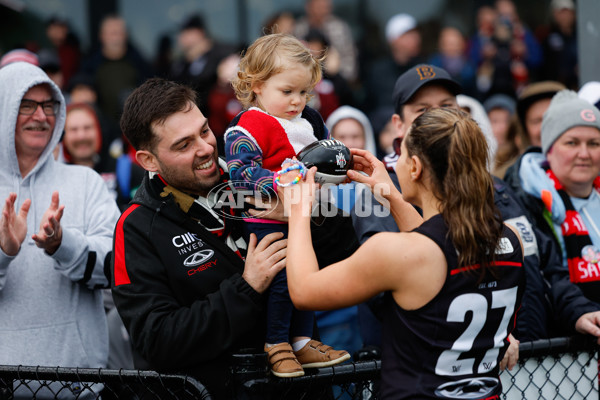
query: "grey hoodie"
51, 312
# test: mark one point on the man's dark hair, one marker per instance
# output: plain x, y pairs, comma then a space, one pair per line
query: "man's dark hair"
152, 103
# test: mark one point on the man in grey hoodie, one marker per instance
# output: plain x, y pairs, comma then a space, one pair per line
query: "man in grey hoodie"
55, 233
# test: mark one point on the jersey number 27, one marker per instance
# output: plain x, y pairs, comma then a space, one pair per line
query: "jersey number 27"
449, 362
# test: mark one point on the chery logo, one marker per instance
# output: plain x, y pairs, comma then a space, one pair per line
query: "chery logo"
198, 258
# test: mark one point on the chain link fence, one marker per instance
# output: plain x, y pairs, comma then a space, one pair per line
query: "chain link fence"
560, 368
23, 382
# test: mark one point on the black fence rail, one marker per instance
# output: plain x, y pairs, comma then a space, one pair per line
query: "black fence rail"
560, 368
354, 380
22, 382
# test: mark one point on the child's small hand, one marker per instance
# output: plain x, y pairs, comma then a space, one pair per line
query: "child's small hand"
299, 197
288, 177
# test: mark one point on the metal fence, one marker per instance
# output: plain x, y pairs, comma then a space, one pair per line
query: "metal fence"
560, 368
23, 382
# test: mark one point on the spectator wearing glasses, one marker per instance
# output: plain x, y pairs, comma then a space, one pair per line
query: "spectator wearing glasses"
55, 234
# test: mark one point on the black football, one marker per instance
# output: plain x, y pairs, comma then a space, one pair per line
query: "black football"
331, 157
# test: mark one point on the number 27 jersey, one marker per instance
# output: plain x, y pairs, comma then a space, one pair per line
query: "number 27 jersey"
451, 347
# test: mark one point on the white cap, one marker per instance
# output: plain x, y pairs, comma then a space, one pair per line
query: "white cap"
560, 4
590, 91
398, 25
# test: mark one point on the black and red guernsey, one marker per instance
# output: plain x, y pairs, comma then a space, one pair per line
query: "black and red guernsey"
451, 347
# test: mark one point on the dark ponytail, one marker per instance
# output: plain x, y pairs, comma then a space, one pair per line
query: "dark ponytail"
453, 148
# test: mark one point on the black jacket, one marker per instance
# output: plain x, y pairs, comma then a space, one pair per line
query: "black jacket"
179, 291
534, 318
568, 301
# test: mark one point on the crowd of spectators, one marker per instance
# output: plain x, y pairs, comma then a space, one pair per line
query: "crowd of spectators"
500, 54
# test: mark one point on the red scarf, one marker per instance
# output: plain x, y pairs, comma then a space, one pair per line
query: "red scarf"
584, 267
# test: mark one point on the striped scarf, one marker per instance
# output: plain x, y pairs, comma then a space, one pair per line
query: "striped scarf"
584, 267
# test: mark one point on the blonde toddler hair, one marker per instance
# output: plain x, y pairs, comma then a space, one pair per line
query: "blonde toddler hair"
268, 56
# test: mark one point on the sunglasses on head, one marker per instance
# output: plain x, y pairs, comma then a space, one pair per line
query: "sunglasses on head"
397, 144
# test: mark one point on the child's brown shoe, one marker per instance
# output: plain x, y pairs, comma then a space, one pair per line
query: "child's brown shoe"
283, 362
316, 354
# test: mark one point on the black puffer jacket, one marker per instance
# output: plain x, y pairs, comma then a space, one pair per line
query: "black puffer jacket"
568, 301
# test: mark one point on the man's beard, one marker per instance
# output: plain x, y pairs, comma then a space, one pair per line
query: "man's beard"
193, 186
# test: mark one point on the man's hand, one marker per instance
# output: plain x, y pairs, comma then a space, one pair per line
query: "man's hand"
264, 260
13, 226
49, 237
589, 323
512, 354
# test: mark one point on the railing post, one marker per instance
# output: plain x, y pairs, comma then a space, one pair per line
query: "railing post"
6, 389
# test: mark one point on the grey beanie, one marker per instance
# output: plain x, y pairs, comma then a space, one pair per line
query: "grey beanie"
566, 111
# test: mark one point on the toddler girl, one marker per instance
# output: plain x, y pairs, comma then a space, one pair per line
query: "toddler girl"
276, 75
